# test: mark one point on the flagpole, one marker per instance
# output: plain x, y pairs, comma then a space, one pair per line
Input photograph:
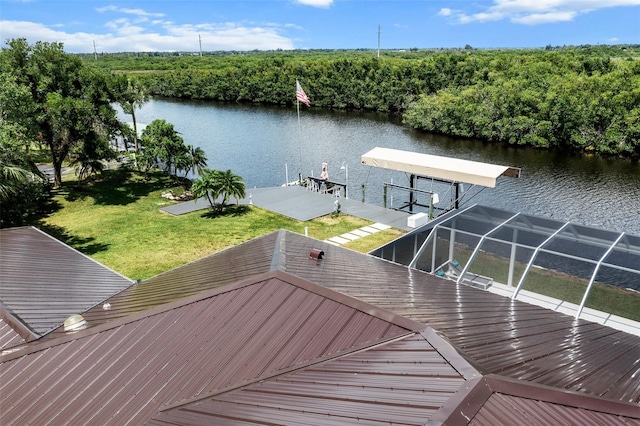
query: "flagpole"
300, 97
299, 139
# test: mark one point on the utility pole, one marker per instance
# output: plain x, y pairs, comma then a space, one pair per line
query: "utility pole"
95, 54
200, 40
378, 40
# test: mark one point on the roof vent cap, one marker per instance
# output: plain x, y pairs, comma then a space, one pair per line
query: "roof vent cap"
316, 254
75, 322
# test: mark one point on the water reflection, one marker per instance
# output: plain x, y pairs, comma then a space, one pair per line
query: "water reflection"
257, 142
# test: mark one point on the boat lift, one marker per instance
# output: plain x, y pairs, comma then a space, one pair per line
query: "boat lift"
452, 171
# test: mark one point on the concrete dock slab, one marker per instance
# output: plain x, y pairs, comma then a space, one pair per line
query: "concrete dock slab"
301, 204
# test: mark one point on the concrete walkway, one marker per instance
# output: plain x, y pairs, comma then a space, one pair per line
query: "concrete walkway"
365, 231
301, 204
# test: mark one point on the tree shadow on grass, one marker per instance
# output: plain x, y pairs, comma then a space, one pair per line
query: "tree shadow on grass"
47, 207
118, 187
83, 245
230, 210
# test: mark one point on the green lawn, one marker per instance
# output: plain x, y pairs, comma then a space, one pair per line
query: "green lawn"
117, 221
605, 298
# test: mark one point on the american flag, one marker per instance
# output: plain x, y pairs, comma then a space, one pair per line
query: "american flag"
301, 96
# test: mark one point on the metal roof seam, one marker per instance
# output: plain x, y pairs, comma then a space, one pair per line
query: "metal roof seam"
350, 301
525, 343
304, 366
363, 307
101, 360
38, 346
300, 326
44, 280
466, 405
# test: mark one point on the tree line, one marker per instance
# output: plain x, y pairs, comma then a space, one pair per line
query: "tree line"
56, 109
584, 99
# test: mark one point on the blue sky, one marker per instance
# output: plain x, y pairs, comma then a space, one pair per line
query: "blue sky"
163, 25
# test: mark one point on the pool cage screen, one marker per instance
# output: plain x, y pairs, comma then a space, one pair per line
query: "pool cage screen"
480, 246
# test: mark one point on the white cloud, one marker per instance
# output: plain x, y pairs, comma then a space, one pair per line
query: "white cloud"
137, 12
36, 32
124, 36
315, 3
288, 26
533, 12
135, 29
545, 18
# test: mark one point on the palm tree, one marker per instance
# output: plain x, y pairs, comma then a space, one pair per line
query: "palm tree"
12, 180
229, 185
17, 170
197, 159
182, 163
216, 183
130, 95
193, 160
206, 186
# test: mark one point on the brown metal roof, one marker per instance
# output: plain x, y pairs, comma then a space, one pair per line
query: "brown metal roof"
499, 335
401, 382
507, 410
43, 281
228, 266
271, 252
8, 336
190, 341
495, 401
125, 371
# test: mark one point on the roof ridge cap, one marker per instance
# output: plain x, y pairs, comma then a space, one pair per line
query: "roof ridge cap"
17, 324
279, 259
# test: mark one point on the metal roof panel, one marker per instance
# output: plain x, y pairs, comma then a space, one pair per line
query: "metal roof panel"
400, 382
499, 335
125, 370
43, 281
8, 336
167, 350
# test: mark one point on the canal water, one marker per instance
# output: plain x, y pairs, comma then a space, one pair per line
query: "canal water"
268, 145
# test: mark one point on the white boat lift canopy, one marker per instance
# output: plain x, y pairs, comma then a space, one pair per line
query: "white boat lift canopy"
434, 166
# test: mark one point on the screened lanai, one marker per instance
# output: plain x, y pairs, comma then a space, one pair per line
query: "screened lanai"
481, 245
